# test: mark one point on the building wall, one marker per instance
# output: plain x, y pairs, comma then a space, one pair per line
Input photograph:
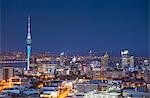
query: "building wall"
1, 73
86, 87
8, 72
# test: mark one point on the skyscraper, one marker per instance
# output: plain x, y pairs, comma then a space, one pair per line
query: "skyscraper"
28, 43
105, 60
125, 58
131, 60
62, 57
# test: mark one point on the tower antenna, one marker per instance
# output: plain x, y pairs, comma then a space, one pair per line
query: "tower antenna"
28, 43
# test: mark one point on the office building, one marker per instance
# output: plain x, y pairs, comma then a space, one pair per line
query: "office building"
6, 73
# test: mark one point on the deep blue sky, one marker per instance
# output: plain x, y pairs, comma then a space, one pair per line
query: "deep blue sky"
72, 25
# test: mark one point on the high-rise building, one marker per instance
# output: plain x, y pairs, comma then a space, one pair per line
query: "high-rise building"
105, 60
131, 60
6, 73
62, 58
125, 53
125, 58
28, 43
146, 63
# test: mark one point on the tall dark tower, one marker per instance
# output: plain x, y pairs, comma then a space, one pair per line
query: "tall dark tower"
28, 43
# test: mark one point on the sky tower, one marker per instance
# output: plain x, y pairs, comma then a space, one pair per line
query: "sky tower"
28, 43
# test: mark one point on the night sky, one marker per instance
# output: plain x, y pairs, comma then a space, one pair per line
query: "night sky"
76, 25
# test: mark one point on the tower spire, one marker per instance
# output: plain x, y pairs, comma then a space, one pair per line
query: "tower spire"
28, 43
29, 28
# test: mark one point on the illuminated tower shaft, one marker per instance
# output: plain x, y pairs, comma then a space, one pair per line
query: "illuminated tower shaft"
28, 44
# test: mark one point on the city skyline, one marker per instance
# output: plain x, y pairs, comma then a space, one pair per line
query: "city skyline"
74, 26
74, 48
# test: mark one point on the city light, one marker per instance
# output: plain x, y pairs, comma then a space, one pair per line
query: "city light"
80, 49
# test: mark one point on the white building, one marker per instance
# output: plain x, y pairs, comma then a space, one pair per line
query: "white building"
126, 59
